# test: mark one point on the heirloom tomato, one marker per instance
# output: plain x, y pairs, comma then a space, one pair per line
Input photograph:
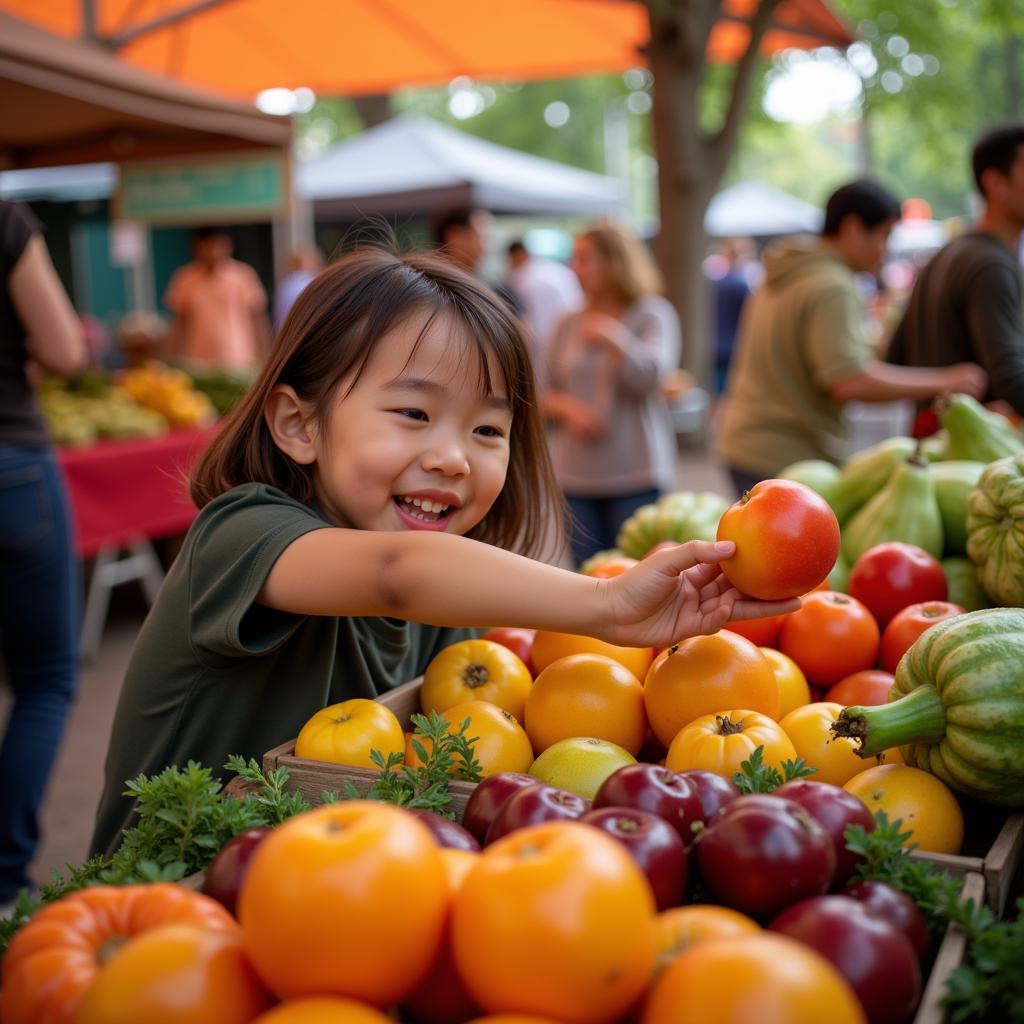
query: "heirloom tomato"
346, 732
548, 647
323, 1010
830, 637
721, 742
868, 687
518, 641
793, 689
476, 670
809, 728
890, 576
908, 625
786, 536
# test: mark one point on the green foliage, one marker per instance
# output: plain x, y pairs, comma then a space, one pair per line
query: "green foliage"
755, 776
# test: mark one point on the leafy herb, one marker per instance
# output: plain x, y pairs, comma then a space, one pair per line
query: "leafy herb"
445, 755
755, 776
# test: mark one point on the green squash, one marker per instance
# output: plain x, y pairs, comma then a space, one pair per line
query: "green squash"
957, 706
995, 530
954, 482
819, 475
679, 517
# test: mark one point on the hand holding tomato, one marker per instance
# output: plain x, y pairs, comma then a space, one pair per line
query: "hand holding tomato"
786, 536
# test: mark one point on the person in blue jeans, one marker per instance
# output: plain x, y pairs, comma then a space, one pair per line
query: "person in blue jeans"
39, 586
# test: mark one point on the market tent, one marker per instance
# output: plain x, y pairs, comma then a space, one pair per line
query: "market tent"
414, 164
350, 48
758, 210
70, 102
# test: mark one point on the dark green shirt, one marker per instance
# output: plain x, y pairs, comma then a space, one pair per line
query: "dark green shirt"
213, 673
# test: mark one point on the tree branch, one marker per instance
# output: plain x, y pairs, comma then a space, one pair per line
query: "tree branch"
721, 144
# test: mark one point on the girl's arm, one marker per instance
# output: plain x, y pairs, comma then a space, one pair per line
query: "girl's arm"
446, 580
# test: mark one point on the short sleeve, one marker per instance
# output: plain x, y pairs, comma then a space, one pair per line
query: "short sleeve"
17, 225
835, 336
235, 543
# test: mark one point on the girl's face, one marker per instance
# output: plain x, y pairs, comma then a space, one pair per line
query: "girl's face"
416, 444
589, 266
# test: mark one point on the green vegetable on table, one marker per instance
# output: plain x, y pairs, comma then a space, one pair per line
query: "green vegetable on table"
995, 530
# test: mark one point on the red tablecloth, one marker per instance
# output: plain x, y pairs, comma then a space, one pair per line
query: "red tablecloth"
125, 489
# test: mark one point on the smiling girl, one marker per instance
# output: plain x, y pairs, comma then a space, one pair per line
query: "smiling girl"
359, 510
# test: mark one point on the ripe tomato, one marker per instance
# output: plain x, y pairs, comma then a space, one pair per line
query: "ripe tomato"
866, 688
831, 636
548, 647
586, 695
176, 972
890, 576
720, 743
475, 670
793, 689
763, 632
345, 733
555, 919
928, 809
512, 1018
71, 938
786, 536
809, 729
908, 625
323, 1010
681, 927
704, 674
518, 641
322, 895
751, 977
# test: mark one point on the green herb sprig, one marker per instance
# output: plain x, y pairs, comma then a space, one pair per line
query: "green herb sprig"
755, 776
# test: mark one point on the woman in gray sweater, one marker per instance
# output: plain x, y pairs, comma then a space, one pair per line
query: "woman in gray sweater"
612, 443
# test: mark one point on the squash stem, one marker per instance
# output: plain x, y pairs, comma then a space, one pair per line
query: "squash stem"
916, 718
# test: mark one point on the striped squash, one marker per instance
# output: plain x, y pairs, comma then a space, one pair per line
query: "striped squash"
995, 530
957, 706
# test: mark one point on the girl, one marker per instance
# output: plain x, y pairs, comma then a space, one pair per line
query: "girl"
369, 483
614, 448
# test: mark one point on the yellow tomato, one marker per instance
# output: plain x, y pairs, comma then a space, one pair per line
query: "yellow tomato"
475, 670
809, 729
345, 733
721, 742
793, 689
926, 806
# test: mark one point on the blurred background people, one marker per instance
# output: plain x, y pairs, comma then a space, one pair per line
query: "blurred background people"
39, 583
613, 442
729, 274
304, 263
966, 303
547, 291
805, 347
219, 307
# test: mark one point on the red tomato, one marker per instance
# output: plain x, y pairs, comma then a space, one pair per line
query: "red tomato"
865, 689
890, 576
786, 536
518, 641
900, 634
831, 636
763, 632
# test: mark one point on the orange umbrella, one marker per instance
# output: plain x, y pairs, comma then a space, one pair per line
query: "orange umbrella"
351, 47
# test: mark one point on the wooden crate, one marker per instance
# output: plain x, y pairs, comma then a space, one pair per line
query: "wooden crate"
313, 778
950, 955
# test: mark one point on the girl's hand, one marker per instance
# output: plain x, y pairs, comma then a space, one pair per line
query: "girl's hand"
679, 593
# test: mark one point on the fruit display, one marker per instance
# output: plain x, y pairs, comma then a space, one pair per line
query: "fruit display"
677, 517
168, 391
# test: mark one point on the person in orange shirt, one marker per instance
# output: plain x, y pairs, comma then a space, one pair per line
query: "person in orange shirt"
219, 307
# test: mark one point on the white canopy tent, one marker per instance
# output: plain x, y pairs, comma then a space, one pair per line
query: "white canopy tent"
416, 165
758, 210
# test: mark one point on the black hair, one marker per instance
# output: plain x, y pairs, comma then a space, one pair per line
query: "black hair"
996, 149
516, 247
864, 199
454, 217
209, 231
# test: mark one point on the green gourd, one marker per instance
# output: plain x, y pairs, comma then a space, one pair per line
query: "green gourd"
905, 509
866, 473
995, 530
956, 708
975, 433
819, 475
965, 588
679, 516
954, 482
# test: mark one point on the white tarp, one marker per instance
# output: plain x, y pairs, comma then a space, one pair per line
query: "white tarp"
759, 210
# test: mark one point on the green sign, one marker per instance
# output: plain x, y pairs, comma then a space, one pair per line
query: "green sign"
235, 189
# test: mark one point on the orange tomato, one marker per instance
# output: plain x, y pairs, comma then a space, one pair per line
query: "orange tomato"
548, 647
323, 1010
762, 977
176, 972
512, 1018
501, 742
721, 743
830, 637
611, 567
809, 729
786, 536
705, 674
320, 902
555, 920
793, 689
868, 687
71, 939
586, 695
345, 733
475, 670
678, 928
763, 632
928, 809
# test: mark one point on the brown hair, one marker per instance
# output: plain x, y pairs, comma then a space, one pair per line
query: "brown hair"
631, 269
329, 334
